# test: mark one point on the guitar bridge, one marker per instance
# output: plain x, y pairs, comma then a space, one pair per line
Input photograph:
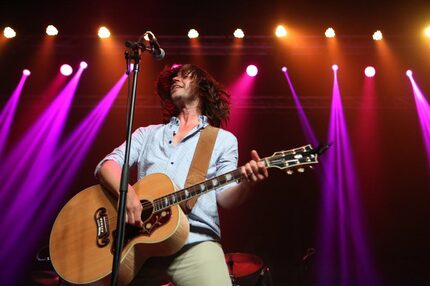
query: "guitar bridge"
101, 219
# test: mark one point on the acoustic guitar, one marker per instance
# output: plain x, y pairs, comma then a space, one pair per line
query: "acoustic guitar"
82, 239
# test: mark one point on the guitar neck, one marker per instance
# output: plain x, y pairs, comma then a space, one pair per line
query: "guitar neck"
199, 189
196, 190
289, 159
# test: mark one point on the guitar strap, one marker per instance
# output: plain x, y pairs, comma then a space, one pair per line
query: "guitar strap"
200, 164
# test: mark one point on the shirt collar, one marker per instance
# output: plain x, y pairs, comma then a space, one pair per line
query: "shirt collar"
203, 121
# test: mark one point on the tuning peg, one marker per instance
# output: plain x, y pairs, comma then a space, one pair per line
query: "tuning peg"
290, 172
300, 170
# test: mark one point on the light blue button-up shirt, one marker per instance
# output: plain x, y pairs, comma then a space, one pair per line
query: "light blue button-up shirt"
153, 151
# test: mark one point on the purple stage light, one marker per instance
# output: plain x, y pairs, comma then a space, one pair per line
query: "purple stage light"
284, 69
304, 121
7, 114
409, 73
34, 163
370, 71
335, 67
252, 70
344, 254
175, 66
26, 72
241, 91
423, 110
66, 70
83, 65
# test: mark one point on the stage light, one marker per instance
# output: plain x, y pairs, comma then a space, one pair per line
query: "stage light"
104, 32
252, 70
238, 33
66, 70
26, 72
335, 67
175, 66
427, 32
83, 65
9, 33
370, 71
280, 31
409, 73
193, 34
284, 69
51, 30
329, 33
377, 36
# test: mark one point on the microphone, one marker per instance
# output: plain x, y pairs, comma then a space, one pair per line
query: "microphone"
157, 52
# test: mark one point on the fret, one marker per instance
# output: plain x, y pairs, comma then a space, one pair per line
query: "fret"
208, 185
228, 177
202, 188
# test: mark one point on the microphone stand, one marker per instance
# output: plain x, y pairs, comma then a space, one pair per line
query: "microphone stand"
134, 55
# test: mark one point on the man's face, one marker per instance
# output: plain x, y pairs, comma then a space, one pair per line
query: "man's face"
183, 87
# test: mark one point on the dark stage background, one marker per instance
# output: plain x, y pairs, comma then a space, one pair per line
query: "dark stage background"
280, 222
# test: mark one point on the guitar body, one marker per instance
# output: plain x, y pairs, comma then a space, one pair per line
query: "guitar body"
83, 235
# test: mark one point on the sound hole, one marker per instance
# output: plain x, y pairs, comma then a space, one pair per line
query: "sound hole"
148, 208
153, 220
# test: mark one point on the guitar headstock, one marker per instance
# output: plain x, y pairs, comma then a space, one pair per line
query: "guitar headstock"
294, 159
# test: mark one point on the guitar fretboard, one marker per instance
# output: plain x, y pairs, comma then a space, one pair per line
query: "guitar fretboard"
283, 160
196, 190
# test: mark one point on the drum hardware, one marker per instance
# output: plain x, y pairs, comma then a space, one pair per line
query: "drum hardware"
46, 276
247, 270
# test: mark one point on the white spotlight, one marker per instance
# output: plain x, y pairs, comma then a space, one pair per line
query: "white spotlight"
281, 31
370, 71
83, 65
9, 33
238, 33
377, 36
51, 30
329, 33
252, 70
66, 70
192, 34
104, 33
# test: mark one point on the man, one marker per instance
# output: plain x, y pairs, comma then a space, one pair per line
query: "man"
191, 100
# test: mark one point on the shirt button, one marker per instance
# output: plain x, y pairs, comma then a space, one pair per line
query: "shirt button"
171, 163
170, 141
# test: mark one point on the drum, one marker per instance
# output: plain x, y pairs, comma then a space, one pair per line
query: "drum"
245, 269
45, 278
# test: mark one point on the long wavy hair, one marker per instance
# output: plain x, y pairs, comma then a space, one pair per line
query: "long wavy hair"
215, 101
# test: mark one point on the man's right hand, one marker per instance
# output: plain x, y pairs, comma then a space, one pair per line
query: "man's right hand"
134, 208
110, 176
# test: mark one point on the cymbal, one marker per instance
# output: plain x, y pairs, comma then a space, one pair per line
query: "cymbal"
242, 264
45, 278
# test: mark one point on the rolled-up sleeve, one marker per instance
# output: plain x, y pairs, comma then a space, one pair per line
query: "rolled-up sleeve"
228, 156
118, 154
